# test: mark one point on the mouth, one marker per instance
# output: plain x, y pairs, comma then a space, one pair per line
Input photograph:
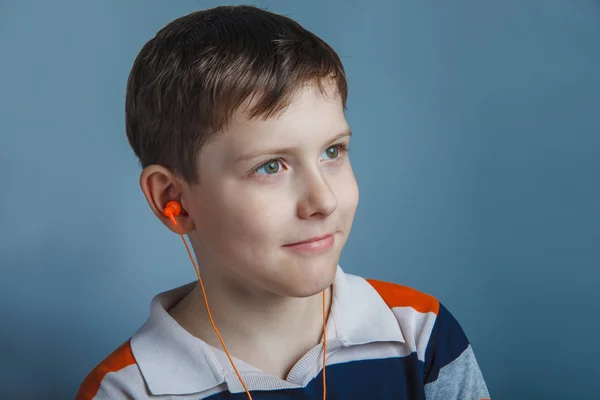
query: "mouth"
315, 244
312, 239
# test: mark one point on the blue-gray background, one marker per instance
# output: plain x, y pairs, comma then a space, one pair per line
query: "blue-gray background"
477, 134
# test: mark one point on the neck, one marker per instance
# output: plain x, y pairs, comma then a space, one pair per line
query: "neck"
258, 317
253, 324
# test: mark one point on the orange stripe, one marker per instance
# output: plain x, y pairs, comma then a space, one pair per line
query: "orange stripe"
119, 359
396, 295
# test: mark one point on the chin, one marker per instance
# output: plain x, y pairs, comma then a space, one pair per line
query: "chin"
304, 291
313, 280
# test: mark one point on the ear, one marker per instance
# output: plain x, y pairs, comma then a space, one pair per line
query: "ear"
160, 186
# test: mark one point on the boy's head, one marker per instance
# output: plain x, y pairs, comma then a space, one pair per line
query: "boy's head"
238, 114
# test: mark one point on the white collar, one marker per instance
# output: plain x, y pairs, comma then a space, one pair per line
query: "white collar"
174, 362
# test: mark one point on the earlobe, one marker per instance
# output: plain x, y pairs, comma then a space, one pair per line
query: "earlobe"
160, 186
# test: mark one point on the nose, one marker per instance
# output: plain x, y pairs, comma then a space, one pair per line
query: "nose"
318, 199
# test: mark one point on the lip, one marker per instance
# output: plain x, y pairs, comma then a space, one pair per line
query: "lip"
315, 244
313, 239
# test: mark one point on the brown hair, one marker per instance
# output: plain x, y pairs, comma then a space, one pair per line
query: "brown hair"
188, 80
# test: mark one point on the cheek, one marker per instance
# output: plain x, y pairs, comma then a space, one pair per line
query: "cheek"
346, 189
249, 224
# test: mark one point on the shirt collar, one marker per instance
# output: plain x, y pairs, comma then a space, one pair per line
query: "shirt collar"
360, 314
172, 361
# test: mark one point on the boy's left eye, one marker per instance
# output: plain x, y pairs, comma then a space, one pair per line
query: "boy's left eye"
332, 152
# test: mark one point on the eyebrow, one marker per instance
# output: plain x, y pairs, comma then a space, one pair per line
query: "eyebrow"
286, 150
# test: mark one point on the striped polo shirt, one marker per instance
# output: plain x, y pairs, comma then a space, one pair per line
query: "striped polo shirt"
384, 341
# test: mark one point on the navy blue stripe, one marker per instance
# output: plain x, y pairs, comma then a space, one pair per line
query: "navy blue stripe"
447, 342
389, 378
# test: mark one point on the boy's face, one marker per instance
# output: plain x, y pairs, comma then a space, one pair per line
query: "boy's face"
266, 184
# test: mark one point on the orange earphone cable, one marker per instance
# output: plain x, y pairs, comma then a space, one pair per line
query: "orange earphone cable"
171, 210
324, 345
208, 308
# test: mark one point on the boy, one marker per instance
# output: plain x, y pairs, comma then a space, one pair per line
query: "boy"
237, 114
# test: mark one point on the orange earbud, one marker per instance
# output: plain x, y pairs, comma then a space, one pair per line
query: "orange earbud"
172, 209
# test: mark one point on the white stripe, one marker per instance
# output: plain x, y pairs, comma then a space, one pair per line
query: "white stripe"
416, 327
370, 351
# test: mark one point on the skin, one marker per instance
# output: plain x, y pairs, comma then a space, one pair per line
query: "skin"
265, 298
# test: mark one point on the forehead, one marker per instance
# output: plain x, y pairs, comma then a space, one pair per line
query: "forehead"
311, 114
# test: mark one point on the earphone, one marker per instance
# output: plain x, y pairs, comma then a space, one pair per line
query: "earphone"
173, 209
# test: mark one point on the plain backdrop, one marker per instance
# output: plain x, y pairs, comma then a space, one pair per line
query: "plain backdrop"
476, 147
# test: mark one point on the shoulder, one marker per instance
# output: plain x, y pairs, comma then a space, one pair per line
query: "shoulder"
439, 340
427, 324
111, 377
404, 301
395, 295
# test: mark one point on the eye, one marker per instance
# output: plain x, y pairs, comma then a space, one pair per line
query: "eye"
269, 168
333, 152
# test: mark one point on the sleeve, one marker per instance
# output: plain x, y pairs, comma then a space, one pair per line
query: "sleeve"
451, 371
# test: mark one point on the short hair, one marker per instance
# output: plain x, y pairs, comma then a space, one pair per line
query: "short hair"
188, 81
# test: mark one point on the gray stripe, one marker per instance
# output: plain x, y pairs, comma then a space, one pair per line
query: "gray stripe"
461, 379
